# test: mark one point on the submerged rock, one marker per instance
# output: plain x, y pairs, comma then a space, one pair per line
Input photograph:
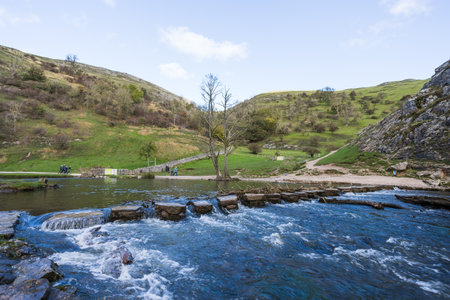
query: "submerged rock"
37, 268
126, 213
125, 255
66, 292
170, 211
28, 289
74, 220
229, 202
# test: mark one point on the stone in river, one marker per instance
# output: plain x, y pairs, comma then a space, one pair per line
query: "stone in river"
8, 222
253, 200
290, 197
126, 212
273, 198
65, 292
37, 268
76, 220
28, 289
170, 211
331, 192
125, 255
302, 196
229, 202
202, 207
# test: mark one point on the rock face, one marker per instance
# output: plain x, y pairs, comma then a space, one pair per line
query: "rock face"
202, 207
254, 200
229, 202
8, 221
74, 220
170, 211
420, 129
126, 212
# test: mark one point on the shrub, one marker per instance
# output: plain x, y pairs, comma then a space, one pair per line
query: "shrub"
333, 127
60, 141
49, 117
319, 127
34, 73
39, 131
255, 148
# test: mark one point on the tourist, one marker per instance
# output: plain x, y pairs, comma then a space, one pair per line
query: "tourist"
69, 170
167, 169
175, 171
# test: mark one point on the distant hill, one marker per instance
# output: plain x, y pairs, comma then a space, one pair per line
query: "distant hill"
328, 119
63, 111
420, 129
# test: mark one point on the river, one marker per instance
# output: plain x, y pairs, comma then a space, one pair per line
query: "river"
281, 251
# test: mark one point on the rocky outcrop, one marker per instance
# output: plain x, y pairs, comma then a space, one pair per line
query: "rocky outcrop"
420, 129
74, 220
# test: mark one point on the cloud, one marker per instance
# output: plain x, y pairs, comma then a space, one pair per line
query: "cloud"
201, 47
6, 17
407, 7
356, 42
385, 25
174, 71
110, 3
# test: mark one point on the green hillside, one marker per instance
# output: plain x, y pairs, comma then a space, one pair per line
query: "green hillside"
55, 112
326, 120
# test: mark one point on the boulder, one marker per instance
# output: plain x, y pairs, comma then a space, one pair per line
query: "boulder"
401, 166
170, 211
125, 255
253, 200
290, 197
77, 220
28, 289
37, 268
273, 198
229, 202
65, 292
126, 213
202, 207
112, 266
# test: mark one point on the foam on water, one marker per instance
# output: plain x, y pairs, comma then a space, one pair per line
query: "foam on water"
274, 239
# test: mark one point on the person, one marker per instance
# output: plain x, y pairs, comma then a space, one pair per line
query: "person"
69, 170
167, 169
60, 169
171, 171
175, 171
394, 172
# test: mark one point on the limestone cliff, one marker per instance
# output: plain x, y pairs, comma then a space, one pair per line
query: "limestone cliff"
420, 129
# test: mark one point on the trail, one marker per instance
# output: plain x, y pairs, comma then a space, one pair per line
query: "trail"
311, 165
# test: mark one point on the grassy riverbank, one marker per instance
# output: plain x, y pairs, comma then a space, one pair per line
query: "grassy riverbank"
21, 186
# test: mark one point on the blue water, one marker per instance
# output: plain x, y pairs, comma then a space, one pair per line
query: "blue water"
281, 251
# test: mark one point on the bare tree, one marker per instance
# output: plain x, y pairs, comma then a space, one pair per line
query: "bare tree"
15, 113
210, 90
230, 130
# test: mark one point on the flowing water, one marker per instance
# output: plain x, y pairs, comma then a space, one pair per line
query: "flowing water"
281, 251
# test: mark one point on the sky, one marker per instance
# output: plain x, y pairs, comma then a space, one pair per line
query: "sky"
252, 46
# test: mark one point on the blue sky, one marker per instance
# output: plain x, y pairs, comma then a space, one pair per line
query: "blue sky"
252, 46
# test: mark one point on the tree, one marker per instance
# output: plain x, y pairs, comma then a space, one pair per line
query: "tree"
352, 95
210, 90
311, 150
147, 149
71, 59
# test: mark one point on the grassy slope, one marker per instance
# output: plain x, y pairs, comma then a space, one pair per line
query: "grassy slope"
278, 101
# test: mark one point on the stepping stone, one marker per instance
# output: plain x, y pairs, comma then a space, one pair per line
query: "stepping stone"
345, 189
290, 197
202, 207
126, 212
229, 202
253, 200
74, 220
302, 196
170, 211
273, 198
314, 193
331, 192
8, 222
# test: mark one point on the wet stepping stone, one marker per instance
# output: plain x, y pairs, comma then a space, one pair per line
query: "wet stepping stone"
202, 207
170, 211
229, 202
290, 197
273, 198
253, 200
331, 192
126, 213
8, 222
76, 220
302, 196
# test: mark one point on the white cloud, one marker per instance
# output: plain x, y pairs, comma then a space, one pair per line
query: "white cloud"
385, 25
110, 3
6, 17
356, 42
174, 71
202, 47
407, 7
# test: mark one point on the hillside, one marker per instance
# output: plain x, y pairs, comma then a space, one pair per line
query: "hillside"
419, 130
325, 120
55, 112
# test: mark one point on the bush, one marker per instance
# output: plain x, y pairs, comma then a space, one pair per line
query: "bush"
319, 128
60, 141
333, 127
255, 148
39, 131
34, 73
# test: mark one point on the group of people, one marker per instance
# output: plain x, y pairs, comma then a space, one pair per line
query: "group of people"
64, 169
173, 171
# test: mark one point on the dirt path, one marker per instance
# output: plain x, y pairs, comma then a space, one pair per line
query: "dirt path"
43, 173
311, 165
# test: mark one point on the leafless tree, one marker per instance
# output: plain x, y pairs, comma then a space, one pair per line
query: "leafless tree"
210, 90
15, 109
